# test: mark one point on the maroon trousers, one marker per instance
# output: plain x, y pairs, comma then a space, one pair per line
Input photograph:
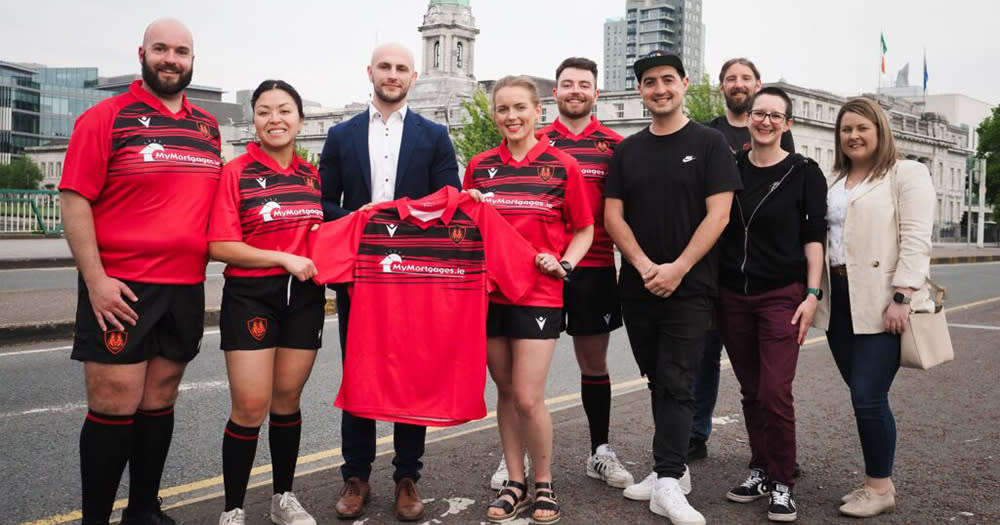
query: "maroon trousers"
761, 343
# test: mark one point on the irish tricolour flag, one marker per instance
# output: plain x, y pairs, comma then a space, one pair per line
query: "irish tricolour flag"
884, 49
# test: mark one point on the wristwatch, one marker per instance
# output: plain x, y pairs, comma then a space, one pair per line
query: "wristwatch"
568, 268
900, 298
815, 291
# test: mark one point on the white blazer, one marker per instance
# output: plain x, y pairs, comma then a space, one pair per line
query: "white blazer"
881, 256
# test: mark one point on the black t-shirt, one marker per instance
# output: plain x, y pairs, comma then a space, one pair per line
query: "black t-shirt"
663, 182
739, 138
780, 209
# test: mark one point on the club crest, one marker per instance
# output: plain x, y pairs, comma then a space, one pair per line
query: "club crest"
115, 340
203, 129
310, 183
456, 233
545, 173
601, 145
257, 327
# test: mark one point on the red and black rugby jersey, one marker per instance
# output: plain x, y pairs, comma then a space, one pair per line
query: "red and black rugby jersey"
421, 272
150, 176
592, 149
266, 206
542, 196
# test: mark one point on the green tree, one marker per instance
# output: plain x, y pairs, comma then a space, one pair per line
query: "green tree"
989, 149
306, 155
477, 133
703, 101
21, 174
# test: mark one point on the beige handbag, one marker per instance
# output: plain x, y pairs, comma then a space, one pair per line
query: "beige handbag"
926, 342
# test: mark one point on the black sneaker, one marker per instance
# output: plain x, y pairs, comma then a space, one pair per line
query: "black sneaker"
753, 488
697, 449
782, 507
153, 516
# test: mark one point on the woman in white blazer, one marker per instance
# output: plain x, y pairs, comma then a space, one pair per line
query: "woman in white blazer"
880, 209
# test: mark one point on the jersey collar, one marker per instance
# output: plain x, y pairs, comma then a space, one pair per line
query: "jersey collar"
148, 99
533, 153
564, 131
446, 197
259, 155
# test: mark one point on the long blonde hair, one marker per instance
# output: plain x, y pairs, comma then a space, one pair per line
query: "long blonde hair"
886, 154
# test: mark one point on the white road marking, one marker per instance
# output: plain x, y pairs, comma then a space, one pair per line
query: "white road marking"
215, 331
976, 326
76, 407
724, 420
457, 505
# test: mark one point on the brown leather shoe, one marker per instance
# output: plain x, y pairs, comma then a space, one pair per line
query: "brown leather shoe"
353, 498
409, 507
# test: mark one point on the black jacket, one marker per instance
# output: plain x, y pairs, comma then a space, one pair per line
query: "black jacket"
780, 209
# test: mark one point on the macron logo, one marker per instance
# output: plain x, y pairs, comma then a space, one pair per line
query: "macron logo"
262, 181
144, 121
541, 322
150, 150
687, 159
387, 262
269, 208
607, 319
492, 172
392, 230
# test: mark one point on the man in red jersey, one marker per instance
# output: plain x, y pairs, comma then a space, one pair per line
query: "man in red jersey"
141, 172
591, 308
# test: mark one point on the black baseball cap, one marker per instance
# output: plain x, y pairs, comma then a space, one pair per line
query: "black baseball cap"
657, 58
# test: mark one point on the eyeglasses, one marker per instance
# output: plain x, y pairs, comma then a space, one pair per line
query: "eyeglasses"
776, 118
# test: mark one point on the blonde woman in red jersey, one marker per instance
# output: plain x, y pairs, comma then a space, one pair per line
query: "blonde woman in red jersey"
539, 190
272, 315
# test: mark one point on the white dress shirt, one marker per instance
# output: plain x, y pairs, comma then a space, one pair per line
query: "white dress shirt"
837, 200
384, 139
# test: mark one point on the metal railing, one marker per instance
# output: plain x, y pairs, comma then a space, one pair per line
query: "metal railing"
30, 211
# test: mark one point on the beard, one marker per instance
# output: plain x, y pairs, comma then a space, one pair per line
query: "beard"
162, 88
736, 106
565, 111
390, 99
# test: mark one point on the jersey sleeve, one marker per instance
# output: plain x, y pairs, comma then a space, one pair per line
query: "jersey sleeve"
721, 174
333, 248
510, 258
224, 222
88, 152
576, 209
467, 181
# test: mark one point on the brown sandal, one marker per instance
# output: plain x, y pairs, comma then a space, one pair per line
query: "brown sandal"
510, 510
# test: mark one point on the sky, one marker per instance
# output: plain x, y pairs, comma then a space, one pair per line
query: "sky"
322, 46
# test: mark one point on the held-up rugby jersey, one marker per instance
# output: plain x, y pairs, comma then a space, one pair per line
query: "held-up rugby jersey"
421, 271
150, 176
542, 196
592, 149
266, 206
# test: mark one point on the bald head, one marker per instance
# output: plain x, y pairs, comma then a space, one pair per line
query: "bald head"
167, 30
394, 53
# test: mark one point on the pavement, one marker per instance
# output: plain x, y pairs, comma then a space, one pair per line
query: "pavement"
947, 465
46, 314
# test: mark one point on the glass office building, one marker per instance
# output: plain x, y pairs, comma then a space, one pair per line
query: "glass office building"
66, 92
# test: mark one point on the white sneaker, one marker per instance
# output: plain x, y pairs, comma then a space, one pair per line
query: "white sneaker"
501, 475
604, 465
286, 510
233, 517
643, 490
668, 501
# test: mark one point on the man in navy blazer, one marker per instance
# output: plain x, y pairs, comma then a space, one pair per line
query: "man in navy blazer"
386, 153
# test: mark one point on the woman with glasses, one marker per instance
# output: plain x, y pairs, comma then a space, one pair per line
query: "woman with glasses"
771, 260
881, 213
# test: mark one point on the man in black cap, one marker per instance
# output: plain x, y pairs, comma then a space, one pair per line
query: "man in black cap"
667, 200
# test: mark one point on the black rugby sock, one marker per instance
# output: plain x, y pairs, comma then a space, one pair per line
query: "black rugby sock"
284, 434
239, 445
595, 392
154, 430
105, 445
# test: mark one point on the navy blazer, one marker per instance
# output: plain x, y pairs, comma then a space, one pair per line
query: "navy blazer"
426, 163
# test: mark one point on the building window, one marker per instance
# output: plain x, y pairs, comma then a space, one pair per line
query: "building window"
645, 112
459, 55
805, 109
545, 114
619, 110
819, 154
833, 114
437, 54
58, 169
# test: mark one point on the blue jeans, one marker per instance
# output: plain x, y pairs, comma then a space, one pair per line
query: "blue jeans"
868, 364
706, 386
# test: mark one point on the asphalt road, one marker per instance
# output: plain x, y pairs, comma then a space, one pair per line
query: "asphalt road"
62, 278
43, 408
